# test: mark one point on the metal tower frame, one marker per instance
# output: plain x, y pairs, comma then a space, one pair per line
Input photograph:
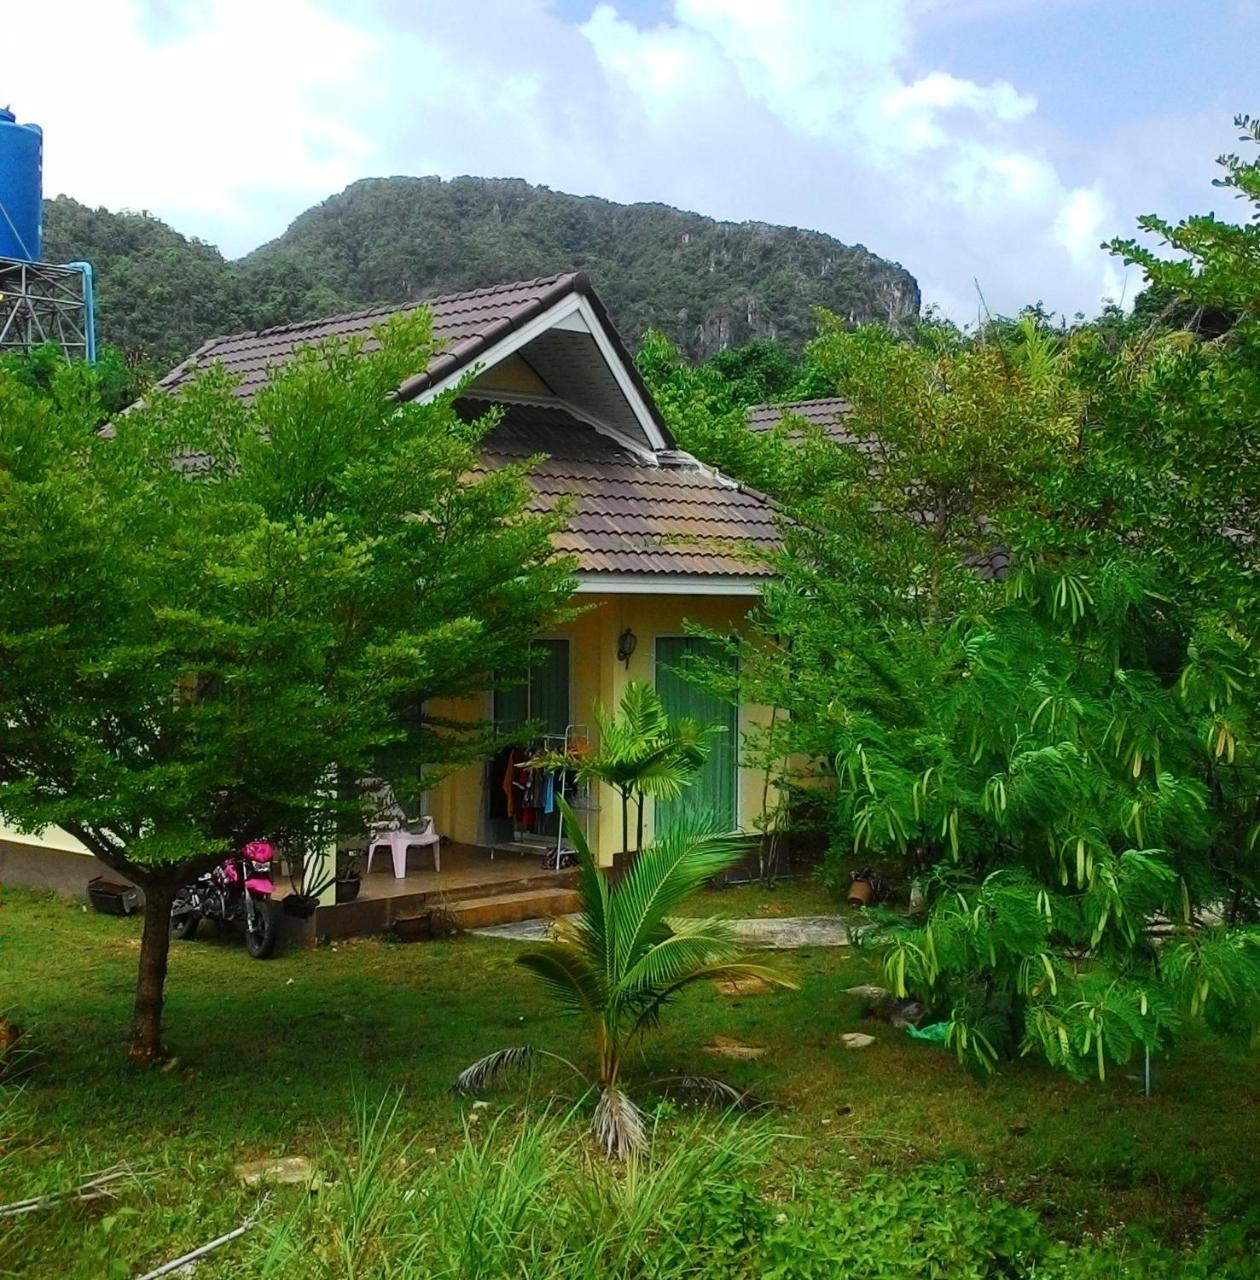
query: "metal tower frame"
42, 303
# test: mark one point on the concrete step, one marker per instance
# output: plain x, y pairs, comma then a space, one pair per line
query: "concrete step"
529, 880
508, 908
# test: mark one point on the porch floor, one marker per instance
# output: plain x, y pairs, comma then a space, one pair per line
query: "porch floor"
468, 872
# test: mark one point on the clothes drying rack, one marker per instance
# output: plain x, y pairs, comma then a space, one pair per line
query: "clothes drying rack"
556, 851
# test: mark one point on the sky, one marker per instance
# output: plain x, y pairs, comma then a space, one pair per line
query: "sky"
989, 146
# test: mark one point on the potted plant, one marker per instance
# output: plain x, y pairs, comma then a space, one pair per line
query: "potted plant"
866, 886
349, 874
307, 884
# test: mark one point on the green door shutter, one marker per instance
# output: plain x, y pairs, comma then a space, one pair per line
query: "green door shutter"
713, 791
549, 686
543, 694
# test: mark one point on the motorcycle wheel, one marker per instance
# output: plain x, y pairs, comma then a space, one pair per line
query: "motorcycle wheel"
260, 941
184, 925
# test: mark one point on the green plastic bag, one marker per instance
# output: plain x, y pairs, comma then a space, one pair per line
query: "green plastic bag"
935, 1033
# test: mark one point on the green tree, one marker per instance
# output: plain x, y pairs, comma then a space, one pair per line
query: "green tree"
624, 957
1064, 754
115, 381
207, 612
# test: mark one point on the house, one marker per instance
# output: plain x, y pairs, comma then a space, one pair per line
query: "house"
659, 539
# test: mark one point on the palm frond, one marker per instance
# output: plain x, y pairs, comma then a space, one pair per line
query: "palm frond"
711, 1089
664, 875
618, 1125
593, 922
685, 944
474, 1078
643, 710
565, 969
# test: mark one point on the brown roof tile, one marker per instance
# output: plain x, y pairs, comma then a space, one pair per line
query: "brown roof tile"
468, 322
630, 516
828, 413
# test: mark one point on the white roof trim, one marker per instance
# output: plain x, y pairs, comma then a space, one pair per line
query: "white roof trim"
669, 584
624, 381
569, 308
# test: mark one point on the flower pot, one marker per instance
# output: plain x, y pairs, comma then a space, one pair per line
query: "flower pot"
861, 893
300, 906
112, 898
348, 888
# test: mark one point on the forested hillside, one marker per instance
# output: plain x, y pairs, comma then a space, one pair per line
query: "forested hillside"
706, 284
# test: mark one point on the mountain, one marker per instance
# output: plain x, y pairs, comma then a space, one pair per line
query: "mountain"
707, 284
160, 295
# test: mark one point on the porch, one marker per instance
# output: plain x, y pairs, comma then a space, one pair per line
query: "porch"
476, 887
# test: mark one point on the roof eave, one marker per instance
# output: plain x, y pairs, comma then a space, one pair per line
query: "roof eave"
670, 584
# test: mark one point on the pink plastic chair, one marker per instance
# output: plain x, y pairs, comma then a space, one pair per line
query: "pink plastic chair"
387, 824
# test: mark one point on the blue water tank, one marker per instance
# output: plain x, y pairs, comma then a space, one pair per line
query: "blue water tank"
21, 187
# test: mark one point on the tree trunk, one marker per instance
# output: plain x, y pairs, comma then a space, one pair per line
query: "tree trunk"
155, 944
638, 839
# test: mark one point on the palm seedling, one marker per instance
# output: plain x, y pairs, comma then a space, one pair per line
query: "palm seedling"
643, 751
623, 957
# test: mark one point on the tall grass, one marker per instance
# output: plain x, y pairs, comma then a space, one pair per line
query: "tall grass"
13, 1120
529, 1198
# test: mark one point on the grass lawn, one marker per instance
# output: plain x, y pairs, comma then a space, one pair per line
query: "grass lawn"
799, 897
270, 1056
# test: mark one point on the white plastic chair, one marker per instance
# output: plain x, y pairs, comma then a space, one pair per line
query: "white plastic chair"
388, 826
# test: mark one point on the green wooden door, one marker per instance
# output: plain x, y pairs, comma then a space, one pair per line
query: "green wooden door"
713, 792
542, 695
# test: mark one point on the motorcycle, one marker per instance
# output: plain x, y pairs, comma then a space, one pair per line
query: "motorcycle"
238, 890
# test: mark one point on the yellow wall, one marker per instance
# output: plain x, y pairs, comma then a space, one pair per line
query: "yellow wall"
50, 838
457, 803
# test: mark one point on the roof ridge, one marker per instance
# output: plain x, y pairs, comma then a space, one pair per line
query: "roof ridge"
389, 308
785, 406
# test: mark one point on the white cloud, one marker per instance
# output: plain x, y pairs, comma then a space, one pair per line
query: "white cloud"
1082, 222
228, 117
204, 114
951, 161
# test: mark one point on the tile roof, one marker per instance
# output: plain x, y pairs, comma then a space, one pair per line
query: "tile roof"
630, 516
468, 323
827, 412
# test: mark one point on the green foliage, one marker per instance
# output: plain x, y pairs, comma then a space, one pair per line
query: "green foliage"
642, 751
206, 612
626, 955
114, 381
525, 1199
1066, 757
704, 405
930, 1222
710, 285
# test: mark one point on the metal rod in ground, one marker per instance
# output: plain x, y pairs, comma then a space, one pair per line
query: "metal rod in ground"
177, 1264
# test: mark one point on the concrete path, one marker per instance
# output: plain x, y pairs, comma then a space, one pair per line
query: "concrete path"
767, 933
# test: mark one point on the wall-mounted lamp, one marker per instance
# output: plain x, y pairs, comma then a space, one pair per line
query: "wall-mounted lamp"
627, 643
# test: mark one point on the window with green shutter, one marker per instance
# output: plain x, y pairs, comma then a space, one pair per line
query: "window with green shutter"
542, 695
714, 791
